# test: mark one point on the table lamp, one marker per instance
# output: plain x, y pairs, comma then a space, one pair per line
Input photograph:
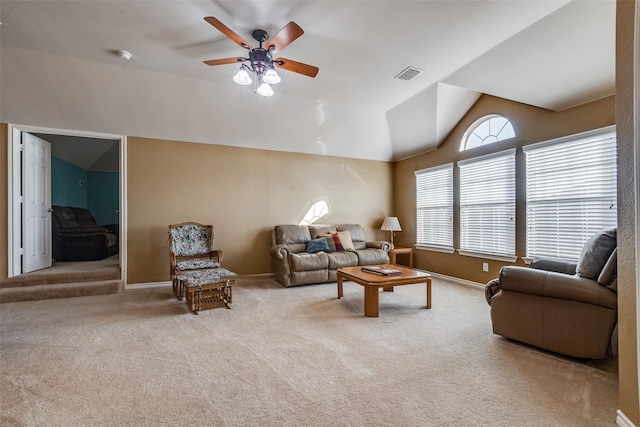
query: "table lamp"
391, 224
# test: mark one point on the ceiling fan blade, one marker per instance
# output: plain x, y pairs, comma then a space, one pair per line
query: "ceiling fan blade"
296, 67
284, 37
225, 61
228, 32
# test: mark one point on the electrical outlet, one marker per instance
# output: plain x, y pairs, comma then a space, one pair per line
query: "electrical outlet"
485, 266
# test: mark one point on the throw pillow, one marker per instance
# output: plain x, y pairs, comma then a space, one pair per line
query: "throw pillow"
608, 277
345, 238
337, 241
317, 245
334, 242
319, 229
356, 231
596, 253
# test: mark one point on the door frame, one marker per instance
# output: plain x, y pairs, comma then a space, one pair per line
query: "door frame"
14, 266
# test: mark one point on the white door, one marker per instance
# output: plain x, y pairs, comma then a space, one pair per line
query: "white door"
36, 204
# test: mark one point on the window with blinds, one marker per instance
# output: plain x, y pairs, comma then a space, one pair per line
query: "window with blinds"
571, 192
488, 205
434, 200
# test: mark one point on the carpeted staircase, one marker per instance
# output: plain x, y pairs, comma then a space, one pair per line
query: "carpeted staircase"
64, 280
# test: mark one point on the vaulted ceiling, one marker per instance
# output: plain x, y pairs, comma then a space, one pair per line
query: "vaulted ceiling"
59, 68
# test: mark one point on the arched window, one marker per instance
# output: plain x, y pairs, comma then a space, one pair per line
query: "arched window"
487, 130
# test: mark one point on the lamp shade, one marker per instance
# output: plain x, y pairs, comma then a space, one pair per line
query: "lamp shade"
271, 77
242, 77
391, 223
265, 90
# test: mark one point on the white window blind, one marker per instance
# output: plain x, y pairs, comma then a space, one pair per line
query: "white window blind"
488, 204
571, 192
434, 200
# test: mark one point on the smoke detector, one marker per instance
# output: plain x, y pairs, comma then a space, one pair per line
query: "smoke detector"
124, 55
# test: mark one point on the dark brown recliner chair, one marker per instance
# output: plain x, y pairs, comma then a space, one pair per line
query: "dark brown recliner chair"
560, 306
77, 237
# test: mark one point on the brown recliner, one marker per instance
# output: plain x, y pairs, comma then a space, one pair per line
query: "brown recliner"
560, 306
77, 237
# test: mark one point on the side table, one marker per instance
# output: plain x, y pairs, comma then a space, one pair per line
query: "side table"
401, 251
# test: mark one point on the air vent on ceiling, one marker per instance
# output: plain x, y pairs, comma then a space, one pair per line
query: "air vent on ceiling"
409, 73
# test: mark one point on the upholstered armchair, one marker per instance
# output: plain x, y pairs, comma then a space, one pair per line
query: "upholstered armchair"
564, 307
191, 250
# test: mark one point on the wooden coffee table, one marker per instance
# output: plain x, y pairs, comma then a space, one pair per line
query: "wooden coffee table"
373, 282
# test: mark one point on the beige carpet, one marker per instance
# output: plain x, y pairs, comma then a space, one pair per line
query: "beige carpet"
286, 357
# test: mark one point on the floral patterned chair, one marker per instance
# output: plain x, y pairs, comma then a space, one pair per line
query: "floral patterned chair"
191, 251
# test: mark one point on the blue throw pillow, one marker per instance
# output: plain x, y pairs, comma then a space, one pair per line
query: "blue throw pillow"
317, 245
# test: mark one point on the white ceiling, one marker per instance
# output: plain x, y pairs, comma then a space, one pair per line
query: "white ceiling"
58, 57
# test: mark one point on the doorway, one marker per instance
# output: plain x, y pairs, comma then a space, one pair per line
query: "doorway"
71, 151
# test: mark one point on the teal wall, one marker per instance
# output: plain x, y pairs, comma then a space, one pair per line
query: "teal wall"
74, 186
68, 184
104, 197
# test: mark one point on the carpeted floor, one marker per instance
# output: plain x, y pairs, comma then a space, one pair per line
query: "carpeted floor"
286, 357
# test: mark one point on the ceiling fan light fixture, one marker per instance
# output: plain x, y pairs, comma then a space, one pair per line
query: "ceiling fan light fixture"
265, 90
242, 77
271, 77
260, 60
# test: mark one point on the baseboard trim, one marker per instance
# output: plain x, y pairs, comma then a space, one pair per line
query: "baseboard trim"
623, 421
168, 283
270, 276
458, 280
256, 276
148, 285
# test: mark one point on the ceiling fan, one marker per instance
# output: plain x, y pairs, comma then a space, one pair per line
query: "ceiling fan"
260, 58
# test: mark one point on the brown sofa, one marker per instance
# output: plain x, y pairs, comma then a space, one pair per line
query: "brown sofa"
567, 308
293, 265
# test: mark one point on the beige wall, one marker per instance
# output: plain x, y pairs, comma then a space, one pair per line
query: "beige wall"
531, 125
627, 174
244, 193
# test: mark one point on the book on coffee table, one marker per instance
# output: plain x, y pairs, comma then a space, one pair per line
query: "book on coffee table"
383, 271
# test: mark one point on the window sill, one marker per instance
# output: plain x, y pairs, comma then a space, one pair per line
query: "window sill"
505, 258
435, 249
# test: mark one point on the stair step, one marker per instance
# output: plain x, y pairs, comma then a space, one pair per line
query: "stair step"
59, 290
34, 279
